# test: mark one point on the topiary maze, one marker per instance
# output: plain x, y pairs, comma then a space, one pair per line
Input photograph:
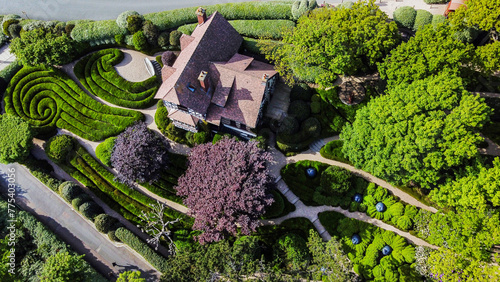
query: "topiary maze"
47, 98
99, 77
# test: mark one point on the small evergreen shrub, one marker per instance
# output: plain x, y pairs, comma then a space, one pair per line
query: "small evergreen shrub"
289, 126
151, 33
104, 223
134, 23
90, 210
300, 7
120, 39
140, 41
15, 30
112, 236
121, 20
59, 147
175, 37
300, 110
78, 201
422, 19
405, 16
164, 39
70, 190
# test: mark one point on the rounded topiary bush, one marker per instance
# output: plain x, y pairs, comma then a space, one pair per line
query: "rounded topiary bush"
121, 20
300, 91
78, 201
59, 147
112, 236
405, 16
139, 40
15, 30
104, 223
289, 126
168, 58
300, 110
422, 19
90, 210
120, 39
336, 180
151, 32
315, 107
311, 127
300, 7
175, 37
438, 19
164, 39
104, 150
70, 190
134, 23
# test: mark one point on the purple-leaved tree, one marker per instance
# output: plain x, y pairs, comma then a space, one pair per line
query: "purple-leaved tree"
139, 155
227, 185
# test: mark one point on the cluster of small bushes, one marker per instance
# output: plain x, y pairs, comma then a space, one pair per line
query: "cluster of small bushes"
180, 135
336, 186
333, 151
230, 11
99, 77
367, 256
61, 103
252, 28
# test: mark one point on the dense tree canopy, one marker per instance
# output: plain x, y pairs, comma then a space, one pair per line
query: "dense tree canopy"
226, 184
63, 267
20, 139
484, 14
139, 154
478, 189
332, 41
432, 51
418, 132
43, 46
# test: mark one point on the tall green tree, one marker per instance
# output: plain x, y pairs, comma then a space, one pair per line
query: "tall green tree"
63, 267
417, 133
432, 51
484, 14
130, 276
44, 46
479, 189
17, 139
329, 261
487, 58
332, 41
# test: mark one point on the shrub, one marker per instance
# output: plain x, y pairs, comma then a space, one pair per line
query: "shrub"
230, 11
59, 147
301, 7
6, 24
120, 39
315, 107
405, 16
164, 39
70, 190
15, 30
68, 28
269, 29
438, 19
98, 32
112, 236
104, 150
289, 125
336, 180
422, 18
151, 33
78, 201
104, 223
168, 58
300, 110
333, 150
17, 141
200, 137
300, 91
90, 210
140, 41
127, 237
175, 37
8, 72
277, 208
121, 20
134, 23
291, 250
129, 40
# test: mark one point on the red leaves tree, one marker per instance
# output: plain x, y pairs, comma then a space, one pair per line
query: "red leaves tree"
139, 154
227, 185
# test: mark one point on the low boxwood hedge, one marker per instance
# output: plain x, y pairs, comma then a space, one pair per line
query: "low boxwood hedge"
127, 237
97, 32
104, 150
99, 77
47, 98
333, 151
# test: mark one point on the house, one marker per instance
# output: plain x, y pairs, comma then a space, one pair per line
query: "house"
211, 82
453, 5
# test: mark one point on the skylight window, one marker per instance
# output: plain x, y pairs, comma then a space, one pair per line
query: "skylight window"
191, 88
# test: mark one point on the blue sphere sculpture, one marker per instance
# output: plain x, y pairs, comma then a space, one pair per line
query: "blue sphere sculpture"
380, 207
358, 198
311, 172
386, 250
355, 239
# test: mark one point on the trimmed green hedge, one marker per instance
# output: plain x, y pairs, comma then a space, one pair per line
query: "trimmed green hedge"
104, 150
127, 237
104, 223
99, 77
333, 151
59, 147
90, 210
310, 130
47, 98
405, 16
7, 73
272, 10
252, 28
251, 44
422, 19
98, 32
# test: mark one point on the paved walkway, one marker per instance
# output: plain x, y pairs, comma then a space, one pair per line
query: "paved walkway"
74, 229
6, 57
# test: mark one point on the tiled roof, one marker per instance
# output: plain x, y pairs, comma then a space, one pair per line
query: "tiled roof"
242, 102
214, 40
166, 72
183, 117
185, 40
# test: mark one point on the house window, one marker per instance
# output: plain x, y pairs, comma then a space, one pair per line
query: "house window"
191, 87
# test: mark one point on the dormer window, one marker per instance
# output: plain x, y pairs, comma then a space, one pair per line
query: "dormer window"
191, 88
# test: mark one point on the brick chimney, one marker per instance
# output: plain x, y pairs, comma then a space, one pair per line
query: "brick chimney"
202, 15
203, 78
265, 77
